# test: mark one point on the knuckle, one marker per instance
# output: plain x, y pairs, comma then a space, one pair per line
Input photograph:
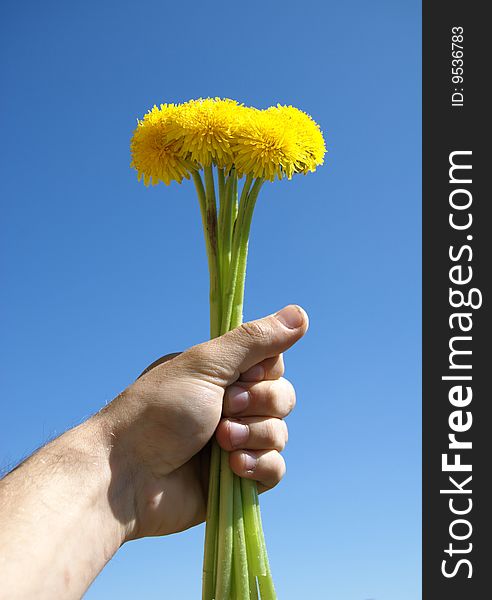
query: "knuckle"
274, 398
236, 462
198, 353
286, 433
278, 469
275, 433
281, 397
202, 359
274, 367
221, 433
282, 469
258, 331
280, 365
290, 395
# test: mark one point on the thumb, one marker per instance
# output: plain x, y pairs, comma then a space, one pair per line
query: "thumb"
223, 359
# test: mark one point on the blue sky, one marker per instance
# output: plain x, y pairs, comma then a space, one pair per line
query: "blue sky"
100, 275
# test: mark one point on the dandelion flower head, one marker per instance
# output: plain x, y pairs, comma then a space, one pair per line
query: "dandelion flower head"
154, 156
175, 139
265, 147
206, 129
309, 139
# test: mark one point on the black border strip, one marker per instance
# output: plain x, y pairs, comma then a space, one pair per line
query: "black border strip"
456, 124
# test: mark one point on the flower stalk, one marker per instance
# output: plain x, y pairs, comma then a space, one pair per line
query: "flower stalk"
229, 143
234, 542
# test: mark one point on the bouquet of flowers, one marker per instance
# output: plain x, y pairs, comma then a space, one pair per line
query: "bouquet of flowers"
229, 150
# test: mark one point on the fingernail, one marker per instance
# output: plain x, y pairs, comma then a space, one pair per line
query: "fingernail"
291, 316
237, 399
256, 373
238, 433
249, 462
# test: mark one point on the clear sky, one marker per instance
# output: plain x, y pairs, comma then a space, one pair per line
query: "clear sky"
101, 275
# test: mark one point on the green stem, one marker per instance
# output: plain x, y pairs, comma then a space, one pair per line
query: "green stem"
232, 595
221, 180
211, 248
226, 223
232, 317
234, 202
256, 559
237, 306
235, 551
208, 210
267, 590
240, 557
211, 529
225, 535
265, 582
228, 297
253, 587
211, 225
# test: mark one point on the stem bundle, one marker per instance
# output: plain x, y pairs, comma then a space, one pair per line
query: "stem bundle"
235, 565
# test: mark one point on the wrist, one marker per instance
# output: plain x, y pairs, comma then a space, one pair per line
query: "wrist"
64, 496
118, 472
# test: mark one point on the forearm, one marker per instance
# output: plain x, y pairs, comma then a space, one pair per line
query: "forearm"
63, 514
140, 467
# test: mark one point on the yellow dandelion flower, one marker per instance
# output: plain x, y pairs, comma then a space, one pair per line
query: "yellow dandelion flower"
310, 142
265, 147
155, 156
205, 128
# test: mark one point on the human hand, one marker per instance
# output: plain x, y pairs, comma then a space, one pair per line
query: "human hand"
160, 426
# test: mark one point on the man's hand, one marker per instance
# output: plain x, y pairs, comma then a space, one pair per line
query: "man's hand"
140, 466
161, 424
